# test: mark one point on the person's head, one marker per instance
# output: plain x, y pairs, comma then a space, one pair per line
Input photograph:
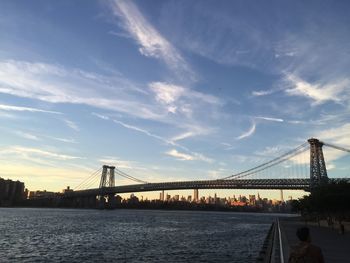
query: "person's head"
303, 233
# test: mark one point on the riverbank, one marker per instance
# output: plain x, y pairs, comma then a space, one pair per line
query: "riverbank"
334, 246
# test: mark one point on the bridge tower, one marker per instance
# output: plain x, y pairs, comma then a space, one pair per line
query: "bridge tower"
107, 180
107, 177
318, 171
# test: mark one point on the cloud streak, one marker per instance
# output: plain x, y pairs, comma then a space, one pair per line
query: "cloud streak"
180, 156
319, 93
269, 119
72, 125
27, 135
20, 108
152, 43
248, 133
195, 155
56, 84
259, 93
24, 152
159, 101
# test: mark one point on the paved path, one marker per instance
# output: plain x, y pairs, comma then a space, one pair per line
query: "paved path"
335, 247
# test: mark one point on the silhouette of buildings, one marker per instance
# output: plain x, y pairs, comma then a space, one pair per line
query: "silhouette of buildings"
11, 192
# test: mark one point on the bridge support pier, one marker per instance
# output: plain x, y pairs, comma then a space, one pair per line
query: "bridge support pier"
112, 202
101, 202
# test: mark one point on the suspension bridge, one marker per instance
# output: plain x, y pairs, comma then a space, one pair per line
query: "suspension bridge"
303, 168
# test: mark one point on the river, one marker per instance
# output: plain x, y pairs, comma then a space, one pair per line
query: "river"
77, 235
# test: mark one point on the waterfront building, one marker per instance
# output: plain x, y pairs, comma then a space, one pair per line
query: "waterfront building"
189, 198
41, 194
252, 200
11, 192
67, 190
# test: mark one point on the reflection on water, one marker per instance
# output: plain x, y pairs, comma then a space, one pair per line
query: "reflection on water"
60, 235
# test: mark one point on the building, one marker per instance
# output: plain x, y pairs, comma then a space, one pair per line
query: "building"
67, 190
189, 198
161, 196
41, 194
195, 195
252, 200
11, 192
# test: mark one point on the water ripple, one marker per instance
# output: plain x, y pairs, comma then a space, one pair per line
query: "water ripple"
63, 235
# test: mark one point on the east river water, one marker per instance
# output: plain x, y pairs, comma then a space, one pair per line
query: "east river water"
69, 235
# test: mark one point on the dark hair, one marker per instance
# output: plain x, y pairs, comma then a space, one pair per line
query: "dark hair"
303, 233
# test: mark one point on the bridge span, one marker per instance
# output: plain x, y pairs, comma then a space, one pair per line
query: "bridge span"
285, 184
285, 172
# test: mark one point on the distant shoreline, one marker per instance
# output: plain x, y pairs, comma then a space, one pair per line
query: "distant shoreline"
160, 209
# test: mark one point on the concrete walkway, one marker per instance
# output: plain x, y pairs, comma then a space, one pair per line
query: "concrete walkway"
335, 247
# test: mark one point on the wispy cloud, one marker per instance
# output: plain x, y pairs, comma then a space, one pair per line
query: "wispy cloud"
182, 136
228, 146
196, 155
259, 93
166, 93
248, 133
272, 151
180, 156
21, 151
67, 140
159, 101
135, 128
152, 43
56, 84
169, 93
40, 136
193, 130
269, 119
103, 117
71, 125
20, 108
319, 92
7, 115
27, 135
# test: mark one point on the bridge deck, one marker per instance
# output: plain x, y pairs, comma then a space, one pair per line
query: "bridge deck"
292, 184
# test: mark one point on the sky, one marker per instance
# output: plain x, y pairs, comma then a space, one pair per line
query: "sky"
168, 90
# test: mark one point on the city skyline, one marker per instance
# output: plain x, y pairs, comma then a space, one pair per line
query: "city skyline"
168, 90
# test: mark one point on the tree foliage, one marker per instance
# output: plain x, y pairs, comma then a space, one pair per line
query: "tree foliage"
332, 199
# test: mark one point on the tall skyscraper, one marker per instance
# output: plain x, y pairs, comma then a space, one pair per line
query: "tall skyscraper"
161, 196
195, 195
282, 200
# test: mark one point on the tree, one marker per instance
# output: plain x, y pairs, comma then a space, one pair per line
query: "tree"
329, 200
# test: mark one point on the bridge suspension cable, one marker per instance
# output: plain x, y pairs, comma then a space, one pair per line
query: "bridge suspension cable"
336, 147
90, 179
125, 175
282, 158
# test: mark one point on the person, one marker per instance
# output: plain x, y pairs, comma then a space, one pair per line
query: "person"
304, 251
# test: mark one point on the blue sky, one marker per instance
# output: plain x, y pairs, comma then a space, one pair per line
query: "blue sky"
168, 90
